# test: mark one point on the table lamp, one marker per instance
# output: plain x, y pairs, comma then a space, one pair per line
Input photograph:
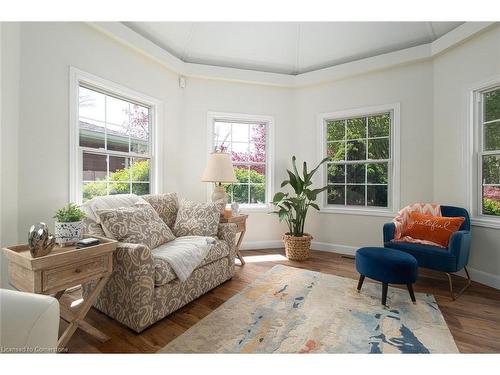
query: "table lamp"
219, 170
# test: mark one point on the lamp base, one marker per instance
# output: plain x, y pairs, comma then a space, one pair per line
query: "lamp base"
219, 194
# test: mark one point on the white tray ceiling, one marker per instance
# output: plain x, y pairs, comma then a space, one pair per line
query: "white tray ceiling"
286, 47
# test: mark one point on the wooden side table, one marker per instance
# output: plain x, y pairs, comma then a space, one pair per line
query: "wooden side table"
61, 269
241, 227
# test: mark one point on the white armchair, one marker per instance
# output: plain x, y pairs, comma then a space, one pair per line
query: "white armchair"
29, 323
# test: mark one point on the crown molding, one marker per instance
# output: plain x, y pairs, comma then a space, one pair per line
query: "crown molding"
363, 66
458, 36
238, 75
126, 36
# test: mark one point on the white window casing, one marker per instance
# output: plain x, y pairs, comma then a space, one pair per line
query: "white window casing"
79, 78
268, 121
393, 186
474, 145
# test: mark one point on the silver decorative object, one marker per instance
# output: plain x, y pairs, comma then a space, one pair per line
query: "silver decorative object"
236, 208
40, 241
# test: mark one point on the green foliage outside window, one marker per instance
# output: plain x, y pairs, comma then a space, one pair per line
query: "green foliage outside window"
94, 189
358, 139
241, 192
119, 182
138, 171
491, 163
491, 207
244, 176
492, 105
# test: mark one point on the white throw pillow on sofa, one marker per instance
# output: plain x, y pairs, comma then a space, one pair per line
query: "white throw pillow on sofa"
109, 202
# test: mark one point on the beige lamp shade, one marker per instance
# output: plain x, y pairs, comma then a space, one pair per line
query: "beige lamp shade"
219, 168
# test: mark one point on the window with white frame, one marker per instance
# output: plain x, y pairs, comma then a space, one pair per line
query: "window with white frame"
488, 152
114, 143
360, 171
247, 139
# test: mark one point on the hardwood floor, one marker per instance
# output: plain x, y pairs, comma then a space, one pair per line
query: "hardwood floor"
473, 319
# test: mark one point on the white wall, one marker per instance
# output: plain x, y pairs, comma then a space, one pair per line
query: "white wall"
202, 96
455, 74
428, 113
9, 140
411, 86
47, 52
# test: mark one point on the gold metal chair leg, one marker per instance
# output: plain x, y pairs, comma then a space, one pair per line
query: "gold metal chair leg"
467, 284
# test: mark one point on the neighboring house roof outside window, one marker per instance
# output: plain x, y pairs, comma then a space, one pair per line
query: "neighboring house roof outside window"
92, 134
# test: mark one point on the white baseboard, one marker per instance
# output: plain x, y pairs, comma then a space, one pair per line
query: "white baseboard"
334, 248
258, 245
481, 277
277, 244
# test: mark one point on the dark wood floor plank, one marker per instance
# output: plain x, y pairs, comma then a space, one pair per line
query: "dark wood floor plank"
473, 319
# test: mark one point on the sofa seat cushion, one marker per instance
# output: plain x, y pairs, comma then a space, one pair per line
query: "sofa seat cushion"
218, 251
427, 256
165, 274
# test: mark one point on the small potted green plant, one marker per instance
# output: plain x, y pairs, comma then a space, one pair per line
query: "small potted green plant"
292, 208
68, 225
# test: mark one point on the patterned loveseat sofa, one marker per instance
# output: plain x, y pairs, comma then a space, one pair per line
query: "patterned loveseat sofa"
143, 288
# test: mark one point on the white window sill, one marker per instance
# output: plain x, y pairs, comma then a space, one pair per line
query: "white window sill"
253, 208
358, 211
486, 222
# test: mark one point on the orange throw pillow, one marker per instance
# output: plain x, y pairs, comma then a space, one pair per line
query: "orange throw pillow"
437, 229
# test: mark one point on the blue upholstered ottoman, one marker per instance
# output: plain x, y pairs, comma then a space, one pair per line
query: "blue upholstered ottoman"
387, 266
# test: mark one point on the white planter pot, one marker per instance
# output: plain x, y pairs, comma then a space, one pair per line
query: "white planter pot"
68, 233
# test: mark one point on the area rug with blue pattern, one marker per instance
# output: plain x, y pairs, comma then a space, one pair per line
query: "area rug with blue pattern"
291, 310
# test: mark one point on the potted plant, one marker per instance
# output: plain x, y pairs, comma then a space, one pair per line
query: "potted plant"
68, 225
292, 208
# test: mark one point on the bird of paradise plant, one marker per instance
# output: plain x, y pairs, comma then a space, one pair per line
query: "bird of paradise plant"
292, 208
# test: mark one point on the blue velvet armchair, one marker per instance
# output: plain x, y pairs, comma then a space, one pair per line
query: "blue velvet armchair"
435, 258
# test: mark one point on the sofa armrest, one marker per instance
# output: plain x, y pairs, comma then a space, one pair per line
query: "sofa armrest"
128, 295
389, 229
459, 246
29, 322
134, 261
227, 232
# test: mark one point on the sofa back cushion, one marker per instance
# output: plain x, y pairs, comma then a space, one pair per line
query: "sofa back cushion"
198, 219
139, 224
437, 229
166, 205
92, 227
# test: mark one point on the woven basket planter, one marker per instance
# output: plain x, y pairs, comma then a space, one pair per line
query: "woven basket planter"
297, 248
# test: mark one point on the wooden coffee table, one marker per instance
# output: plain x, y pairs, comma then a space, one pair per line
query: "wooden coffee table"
61, 269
